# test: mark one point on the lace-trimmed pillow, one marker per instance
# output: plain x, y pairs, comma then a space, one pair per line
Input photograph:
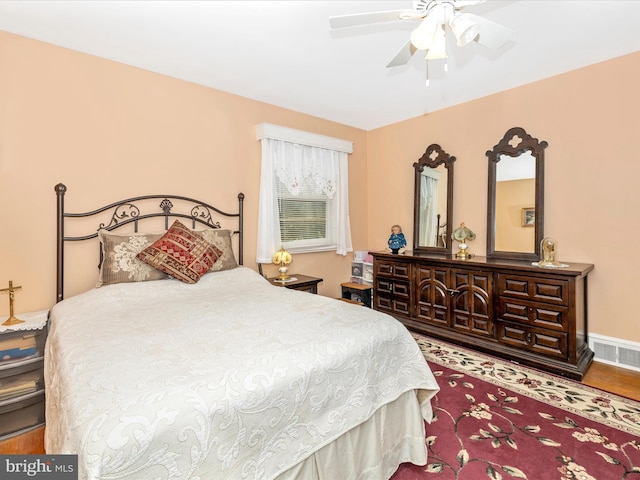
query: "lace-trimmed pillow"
181, 253
119, 262
221, 239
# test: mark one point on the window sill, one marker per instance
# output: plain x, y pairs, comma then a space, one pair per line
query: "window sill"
310, 249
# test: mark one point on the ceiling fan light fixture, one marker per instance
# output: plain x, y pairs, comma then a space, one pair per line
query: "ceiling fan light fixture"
464, 28
423, 36
430, 35
420, 40
438, 48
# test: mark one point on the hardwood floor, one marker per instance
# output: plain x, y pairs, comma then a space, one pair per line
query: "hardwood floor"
27, 443
620, 381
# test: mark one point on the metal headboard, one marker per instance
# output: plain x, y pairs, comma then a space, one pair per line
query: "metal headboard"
135, 209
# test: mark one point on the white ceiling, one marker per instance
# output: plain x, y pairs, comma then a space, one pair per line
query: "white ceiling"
285, 54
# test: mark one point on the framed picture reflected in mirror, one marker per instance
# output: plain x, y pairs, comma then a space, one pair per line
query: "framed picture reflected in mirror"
528, 217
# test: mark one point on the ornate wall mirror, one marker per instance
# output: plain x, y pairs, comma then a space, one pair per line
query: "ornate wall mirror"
433, 201
515, 207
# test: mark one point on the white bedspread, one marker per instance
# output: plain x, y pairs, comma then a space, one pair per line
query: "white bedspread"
227, 378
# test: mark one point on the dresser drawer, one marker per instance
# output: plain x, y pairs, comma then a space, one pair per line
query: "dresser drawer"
22, 412
538, 315
394, 269
393, 295
386, 286
548, 290
392, 305
546, 342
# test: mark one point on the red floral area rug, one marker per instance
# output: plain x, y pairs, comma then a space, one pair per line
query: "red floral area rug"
499, 420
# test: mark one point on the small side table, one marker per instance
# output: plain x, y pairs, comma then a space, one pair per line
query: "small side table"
303, 283
357, 293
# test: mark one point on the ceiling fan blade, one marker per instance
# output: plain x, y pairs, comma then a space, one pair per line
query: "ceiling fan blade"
403, 56
492, 35
343, 21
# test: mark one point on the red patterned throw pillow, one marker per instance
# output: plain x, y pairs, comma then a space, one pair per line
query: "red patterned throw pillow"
181, 253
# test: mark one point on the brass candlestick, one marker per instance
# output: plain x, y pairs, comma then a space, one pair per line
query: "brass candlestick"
11, 320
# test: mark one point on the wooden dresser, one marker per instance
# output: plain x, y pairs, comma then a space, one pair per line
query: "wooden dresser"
508, 308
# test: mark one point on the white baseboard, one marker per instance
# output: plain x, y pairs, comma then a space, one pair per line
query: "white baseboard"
613, 351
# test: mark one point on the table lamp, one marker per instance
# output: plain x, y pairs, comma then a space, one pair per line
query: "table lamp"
462, 234
282, 258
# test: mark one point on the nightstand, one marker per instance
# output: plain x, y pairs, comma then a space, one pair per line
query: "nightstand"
301, 282
357, 293
22, 374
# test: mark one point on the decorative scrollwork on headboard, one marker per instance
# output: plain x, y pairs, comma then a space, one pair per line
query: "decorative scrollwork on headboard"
166, 206
122, 212
204, 214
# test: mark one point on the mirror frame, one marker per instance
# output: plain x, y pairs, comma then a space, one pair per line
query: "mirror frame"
506, 147
428, 160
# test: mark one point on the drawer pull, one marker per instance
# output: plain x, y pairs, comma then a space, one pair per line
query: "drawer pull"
453, 291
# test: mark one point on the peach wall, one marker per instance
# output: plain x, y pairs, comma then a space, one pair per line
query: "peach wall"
109, 131
590, 119
104, 129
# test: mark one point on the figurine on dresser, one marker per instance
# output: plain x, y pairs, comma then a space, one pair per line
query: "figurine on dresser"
397, 243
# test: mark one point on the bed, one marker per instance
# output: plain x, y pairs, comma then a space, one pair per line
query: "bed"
228, 377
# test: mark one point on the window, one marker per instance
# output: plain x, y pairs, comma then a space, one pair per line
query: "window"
307, 220
303, 195
303, 220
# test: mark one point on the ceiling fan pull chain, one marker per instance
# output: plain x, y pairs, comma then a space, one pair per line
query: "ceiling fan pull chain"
426, 83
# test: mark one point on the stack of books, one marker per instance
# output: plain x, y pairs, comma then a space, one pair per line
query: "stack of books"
17, 388
17, 348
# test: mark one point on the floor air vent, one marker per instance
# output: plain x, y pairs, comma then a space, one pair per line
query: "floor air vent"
613, 351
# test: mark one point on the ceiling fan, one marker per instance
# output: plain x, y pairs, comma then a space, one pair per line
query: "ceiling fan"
430, 35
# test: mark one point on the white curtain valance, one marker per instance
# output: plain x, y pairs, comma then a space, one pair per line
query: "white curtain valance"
296, 165
300, 137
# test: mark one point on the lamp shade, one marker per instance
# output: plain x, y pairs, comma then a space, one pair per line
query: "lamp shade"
462, 234
464, 28
281, 257
438, 48
422, 37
